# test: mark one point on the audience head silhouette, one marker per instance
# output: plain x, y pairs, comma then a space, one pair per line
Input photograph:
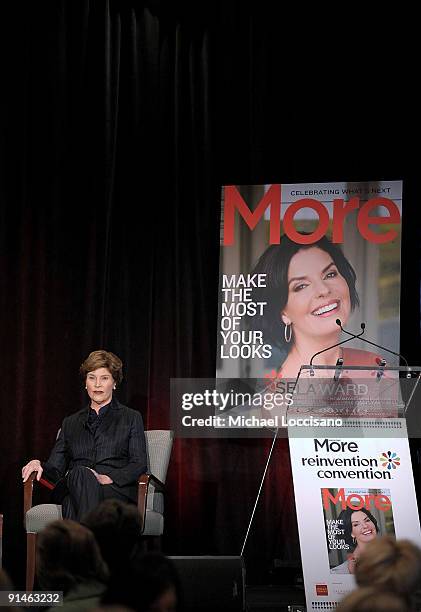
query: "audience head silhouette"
116, 526
390, 564
150, 583
388, 573
372, 600
67, 555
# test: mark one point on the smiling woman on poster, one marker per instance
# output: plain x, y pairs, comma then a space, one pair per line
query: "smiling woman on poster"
309, 287
360, 527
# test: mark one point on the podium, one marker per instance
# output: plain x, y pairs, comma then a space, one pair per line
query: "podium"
348, 430
355, 393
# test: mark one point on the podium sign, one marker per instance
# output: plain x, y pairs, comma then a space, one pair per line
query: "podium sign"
352, 484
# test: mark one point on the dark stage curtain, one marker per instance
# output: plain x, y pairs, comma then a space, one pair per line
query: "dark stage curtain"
121, 121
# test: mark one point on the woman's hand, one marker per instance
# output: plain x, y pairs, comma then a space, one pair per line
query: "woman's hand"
33, 466
101, 478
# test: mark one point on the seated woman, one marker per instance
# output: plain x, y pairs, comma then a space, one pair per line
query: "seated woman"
100, 450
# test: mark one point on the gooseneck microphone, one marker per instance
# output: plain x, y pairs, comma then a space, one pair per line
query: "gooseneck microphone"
383, 348
337, 344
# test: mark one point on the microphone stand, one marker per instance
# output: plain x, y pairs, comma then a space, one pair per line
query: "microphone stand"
339, 364
275, 435
383, 348
262, 480
340, 361
259, 491
383, 362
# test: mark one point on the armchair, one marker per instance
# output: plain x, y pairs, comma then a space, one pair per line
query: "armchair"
150, 498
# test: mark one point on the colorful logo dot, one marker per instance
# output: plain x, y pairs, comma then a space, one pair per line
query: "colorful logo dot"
390, 460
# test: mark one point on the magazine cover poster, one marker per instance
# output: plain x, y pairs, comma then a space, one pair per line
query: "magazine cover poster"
294, 259
352, 519
349, 491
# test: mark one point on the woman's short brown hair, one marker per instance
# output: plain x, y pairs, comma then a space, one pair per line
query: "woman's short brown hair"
103, 359
368, 599
390, 564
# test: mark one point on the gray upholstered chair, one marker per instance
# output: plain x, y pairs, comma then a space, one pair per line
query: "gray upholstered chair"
150, 498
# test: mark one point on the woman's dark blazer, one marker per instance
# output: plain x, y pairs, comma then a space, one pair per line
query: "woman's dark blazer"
117, 448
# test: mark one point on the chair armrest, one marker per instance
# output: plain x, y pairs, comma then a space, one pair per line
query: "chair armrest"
28, 488
27, 493
142, 495
147, 478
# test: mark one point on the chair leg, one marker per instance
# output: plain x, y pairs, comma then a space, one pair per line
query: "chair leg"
31, 540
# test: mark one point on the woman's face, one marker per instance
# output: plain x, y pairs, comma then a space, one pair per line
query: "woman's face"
100, 385
317, 294
363, 528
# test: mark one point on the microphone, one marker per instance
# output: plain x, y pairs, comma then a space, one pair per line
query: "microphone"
338, 370
333, 346
383, 348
